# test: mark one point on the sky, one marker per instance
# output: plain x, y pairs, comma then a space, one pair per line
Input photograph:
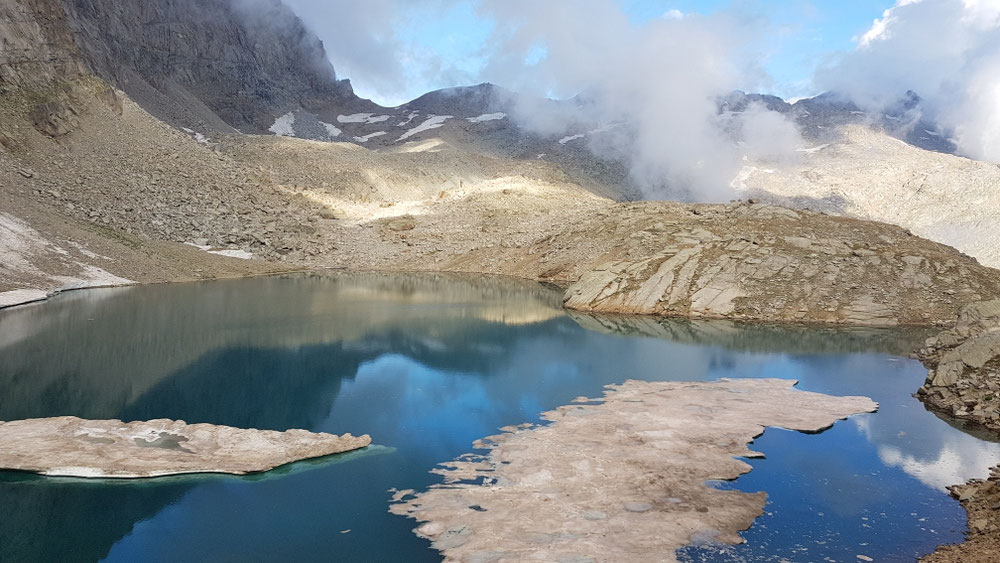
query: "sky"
440, 43
662, 65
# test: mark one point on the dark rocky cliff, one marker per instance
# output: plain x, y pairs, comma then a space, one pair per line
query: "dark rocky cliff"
213, 65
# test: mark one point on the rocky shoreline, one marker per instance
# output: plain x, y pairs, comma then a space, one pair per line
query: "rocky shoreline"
964, 363
981, 500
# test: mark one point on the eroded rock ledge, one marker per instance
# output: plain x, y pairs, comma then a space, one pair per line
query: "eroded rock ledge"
964, 363
620, 480
74, 447
981, 500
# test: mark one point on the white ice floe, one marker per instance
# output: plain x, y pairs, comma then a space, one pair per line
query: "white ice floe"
569, 138
362, 118
369, 137
487, 117
284, 125
812, 150
331, 130
432, 122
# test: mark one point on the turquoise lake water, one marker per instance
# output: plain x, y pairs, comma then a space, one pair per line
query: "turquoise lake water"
426, 365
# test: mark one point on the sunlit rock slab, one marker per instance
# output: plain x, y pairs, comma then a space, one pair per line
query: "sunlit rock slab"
618, 479
68, 446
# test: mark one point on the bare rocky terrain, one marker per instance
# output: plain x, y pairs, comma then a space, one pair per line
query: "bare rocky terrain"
964, 362
981, 500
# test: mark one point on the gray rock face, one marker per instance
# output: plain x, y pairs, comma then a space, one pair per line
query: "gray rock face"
964, 362
211, 65
37, 46
68, 446
245, 61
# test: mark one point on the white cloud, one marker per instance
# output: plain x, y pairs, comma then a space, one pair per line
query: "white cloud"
948, 51
662, 78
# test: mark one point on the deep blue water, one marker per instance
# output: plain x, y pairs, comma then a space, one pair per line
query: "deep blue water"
426, 365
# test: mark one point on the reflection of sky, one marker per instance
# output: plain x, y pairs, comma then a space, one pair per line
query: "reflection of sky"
833, 494
429, 390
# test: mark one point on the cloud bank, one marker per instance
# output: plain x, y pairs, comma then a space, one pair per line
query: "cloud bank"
947, 51
661, 79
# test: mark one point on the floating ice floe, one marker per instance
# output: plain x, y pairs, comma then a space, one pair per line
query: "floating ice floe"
432, 122
284, 125
487, 117
74, 447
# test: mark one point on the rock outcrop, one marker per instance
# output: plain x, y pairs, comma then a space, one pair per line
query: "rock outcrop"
754, 262
620, 480
68, 446
981, 500
964, 362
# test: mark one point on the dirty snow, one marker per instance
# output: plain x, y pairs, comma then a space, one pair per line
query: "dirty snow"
284, 125
331, 130
20, 297
432, 122
605, 128
740, 181
197, 136
354, 118
362, 118
241, 254
565, 140
813, 150
487, 117
409, 118
369, 137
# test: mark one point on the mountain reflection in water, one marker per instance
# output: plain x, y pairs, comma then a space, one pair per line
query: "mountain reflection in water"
426, 364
